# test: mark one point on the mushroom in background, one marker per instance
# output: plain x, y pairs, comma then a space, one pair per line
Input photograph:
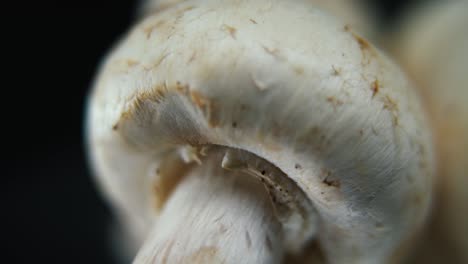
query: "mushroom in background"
433, 45
256, 131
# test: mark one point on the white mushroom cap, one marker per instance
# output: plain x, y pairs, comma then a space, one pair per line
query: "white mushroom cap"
433, 45
352, 12
286, 94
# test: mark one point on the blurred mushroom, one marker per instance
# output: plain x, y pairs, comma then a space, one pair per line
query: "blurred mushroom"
243, 131
433, 45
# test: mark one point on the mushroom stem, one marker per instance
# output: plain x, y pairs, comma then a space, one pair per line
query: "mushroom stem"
215, 216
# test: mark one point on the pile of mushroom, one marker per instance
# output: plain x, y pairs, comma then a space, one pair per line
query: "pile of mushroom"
433, 45
266, 131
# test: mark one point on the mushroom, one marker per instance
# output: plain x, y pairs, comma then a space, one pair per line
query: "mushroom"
250, 131
433, 45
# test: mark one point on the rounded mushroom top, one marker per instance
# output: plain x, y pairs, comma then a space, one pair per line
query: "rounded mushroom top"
293, 96
348, 11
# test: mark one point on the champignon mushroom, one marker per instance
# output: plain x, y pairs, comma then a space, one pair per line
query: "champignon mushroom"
434, 47
243, 131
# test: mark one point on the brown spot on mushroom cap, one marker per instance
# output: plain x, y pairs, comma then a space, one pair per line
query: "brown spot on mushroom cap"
391, 105
316, 136
198, 99
336, 71
260, 85
368, 53
182, 88
131, 62
273, 52
299, 70
326, 175
213, 114
332, 183
149, 29
363, 44
231, 30
375, 86
160, 60
334, 101
253, 21
203, 255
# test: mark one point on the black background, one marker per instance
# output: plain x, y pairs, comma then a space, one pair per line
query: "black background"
50, 210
